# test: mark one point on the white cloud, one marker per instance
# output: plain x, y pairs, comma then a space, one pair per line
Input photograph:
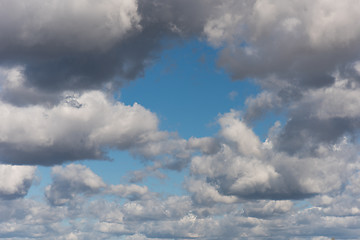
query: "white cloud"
78, 127
76, 25
234, 173
159, 217
303, 54
15, 181
234, 131
72, 180
206, 145
132, 191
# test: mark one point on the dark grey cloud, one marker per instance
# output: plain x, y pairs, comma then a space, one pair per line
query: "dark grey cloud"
66, 45
315, 116
322, 116
305, 134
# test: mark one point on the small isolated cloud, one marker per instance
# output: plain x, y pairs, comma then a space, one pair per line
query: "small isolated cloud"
232, 95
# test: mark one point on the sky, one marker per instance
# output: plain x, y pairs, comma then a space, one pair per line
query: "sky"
179, 119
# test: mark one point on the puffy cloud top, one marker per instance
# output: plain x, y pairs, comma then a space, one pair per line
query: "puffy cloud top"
79, 127
15, 181
74, 25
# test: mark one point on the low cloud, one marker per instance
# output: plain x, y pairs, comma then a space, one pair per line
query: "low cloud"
80, 126
262, 171
15, 181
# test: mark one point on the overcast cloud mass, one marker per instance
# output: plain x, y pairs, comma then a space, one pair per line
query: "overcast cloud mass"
63, 64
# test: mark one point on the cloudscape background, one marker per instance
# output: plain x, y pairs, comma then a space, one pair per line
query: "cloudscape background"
179, 119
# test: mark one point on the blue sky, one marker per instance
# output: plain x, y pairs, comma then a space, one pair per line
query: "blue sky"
187, 91
179, 119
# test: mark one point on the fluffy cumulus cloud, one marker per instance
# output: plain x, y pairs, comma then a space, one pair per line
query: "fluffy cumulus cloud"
71, 180
262, 171
268, 34
61, 62
74, 180
77, 126
82, 214
80, 25
302, 53
15, 180
86, 45
59, 40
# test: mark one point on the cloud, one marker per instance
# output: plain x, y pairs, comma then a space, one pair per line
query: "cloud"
237, 172
303, 56
69, 25
58, 58
78, 127
67, 45
300, 41
267, 209
156, 217
15, 181
232, 95
74, 180
71, 180
206, 145
61, 42
14, 89
323, 115
260, 104
133, 192
238, 134
71, 125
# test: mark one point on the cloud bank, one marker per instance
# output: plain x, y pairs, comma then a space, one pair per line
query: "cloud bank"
62, 63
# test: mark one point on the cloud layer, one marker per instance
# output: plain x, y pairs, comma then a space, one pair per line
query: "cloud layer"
62, 63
